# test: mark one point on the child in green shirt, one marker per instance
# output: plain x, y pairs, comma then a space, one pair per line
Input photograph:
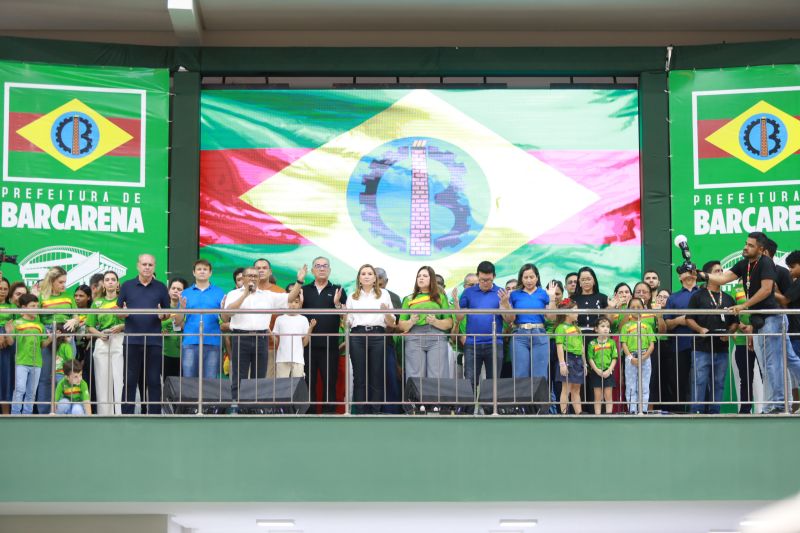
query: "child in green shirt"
637, 344
64, 352
29, 337
72, 392
571, 359
602, 360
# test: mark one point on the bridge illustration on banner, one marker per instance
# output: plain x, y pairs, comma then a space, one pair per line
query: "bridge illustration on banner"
79, 263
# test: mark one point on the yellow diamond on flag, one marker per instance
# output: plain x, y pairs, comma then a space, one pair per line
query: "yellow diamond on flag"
75, 134
521, 196
762, 136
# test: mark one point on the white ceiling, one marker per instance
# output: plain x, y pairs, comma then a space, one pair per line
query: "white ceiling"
553, 517
223, 22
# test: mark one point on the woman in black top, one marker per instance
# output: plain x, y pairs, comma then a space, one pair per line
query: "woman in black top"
588, 296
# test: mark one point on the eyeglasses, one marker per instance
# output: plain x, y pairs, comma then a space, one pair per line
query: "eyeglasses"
321, 266
251, 275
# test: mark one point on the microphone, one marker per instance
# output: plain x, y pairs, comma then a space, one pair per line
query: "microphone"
682, 243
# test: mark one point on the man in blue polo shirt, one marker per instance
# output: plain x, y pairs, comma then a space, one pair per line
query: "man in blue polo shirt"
675, 365
143, 335
201, 295
480, 344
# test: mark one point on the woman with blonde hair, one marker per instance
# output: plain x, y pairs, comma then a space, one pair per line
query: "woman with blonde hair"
367, 331
53, 295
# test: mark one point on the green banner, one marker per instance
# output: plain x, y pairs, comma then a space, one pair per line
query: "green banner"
735, 165
84, 182
735, 136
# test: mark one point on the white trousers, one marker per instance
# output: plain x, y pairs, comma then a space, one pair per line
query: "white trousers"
109, 367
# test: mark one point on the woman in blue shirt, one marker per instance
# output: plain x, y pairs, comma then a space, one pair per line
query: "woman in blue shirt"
531, 348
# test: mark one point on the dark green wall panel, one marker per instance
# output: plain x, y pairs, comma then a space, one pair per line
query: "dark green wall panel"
184, 191
656, 222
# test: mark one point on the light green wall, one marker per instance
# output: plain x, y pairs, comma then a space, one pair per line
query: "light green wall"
400, 459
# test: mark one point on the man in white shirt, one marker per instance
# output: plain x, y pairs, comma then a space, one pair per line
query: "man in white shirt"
250, 330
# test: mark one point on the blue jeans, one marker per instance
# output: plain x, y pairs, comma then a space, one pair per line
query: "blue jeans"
531, 353
773, 356
476, 355
708, 368
66, 407
44, 393
190, 357
632, 383
26, 382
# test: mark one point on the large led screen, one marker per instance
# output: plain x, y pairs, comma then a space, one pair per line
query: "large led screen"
405, 178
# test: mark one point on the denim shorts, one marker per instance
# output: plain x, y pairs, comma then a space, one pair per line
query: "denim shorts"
575, 369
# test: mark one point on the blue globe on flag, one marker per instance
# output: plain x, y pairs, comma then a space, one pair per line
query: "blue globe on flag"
418, 197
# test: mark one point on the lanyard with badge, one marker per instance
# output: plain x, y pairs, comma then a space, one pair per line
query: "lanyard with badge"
717, 305
754, 264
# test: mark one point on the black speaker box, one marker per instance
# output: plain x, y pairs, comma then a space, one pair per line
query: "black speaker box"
273, 396
181, 395
516, 396
443, 395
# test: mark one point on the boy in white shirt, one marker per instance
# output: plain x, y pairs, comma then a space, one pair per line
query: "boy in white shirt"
294, 332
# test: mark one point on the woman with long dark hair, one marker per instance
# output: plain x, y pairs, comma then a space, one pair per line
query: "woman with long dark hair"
426, 342
83, 342
530, 349
588, 296
109, 364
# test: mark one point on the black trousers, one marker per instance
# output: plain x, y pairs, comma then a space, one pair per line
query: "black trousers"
367, 354
675, 369
248, 358
323, 362
658, 381
142, 360
745, 362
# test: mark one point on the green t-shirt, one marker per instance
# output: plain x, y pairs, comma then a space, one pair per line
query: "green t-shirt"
740, 297
620, 316
630, 336
29, 342
549, 326
62, 301
569, 335
64, 353
103, 322
73, 393
6, 316
602, 353
423, 301
172, 342
647, 318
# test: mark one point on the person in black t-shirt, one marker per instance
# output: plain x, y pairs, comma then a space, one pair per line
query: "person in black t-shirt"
588, 296
793, 297
710, 357
759, 275
322, 355
784, 279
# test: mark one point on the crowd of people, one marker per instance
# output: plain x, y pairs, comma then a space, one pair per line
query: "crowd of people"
593, 352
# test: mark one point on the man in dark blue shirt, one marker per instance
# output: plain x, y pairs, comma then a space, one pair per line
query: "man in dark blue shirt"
143, 336
481, 343
676, 364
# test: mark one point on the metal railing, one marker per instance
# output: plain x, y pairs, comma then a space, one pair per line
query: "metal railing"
131, 375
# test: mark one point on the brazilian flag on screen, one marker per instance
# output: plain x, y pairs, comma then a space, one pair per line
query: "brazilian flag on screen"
405, 178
